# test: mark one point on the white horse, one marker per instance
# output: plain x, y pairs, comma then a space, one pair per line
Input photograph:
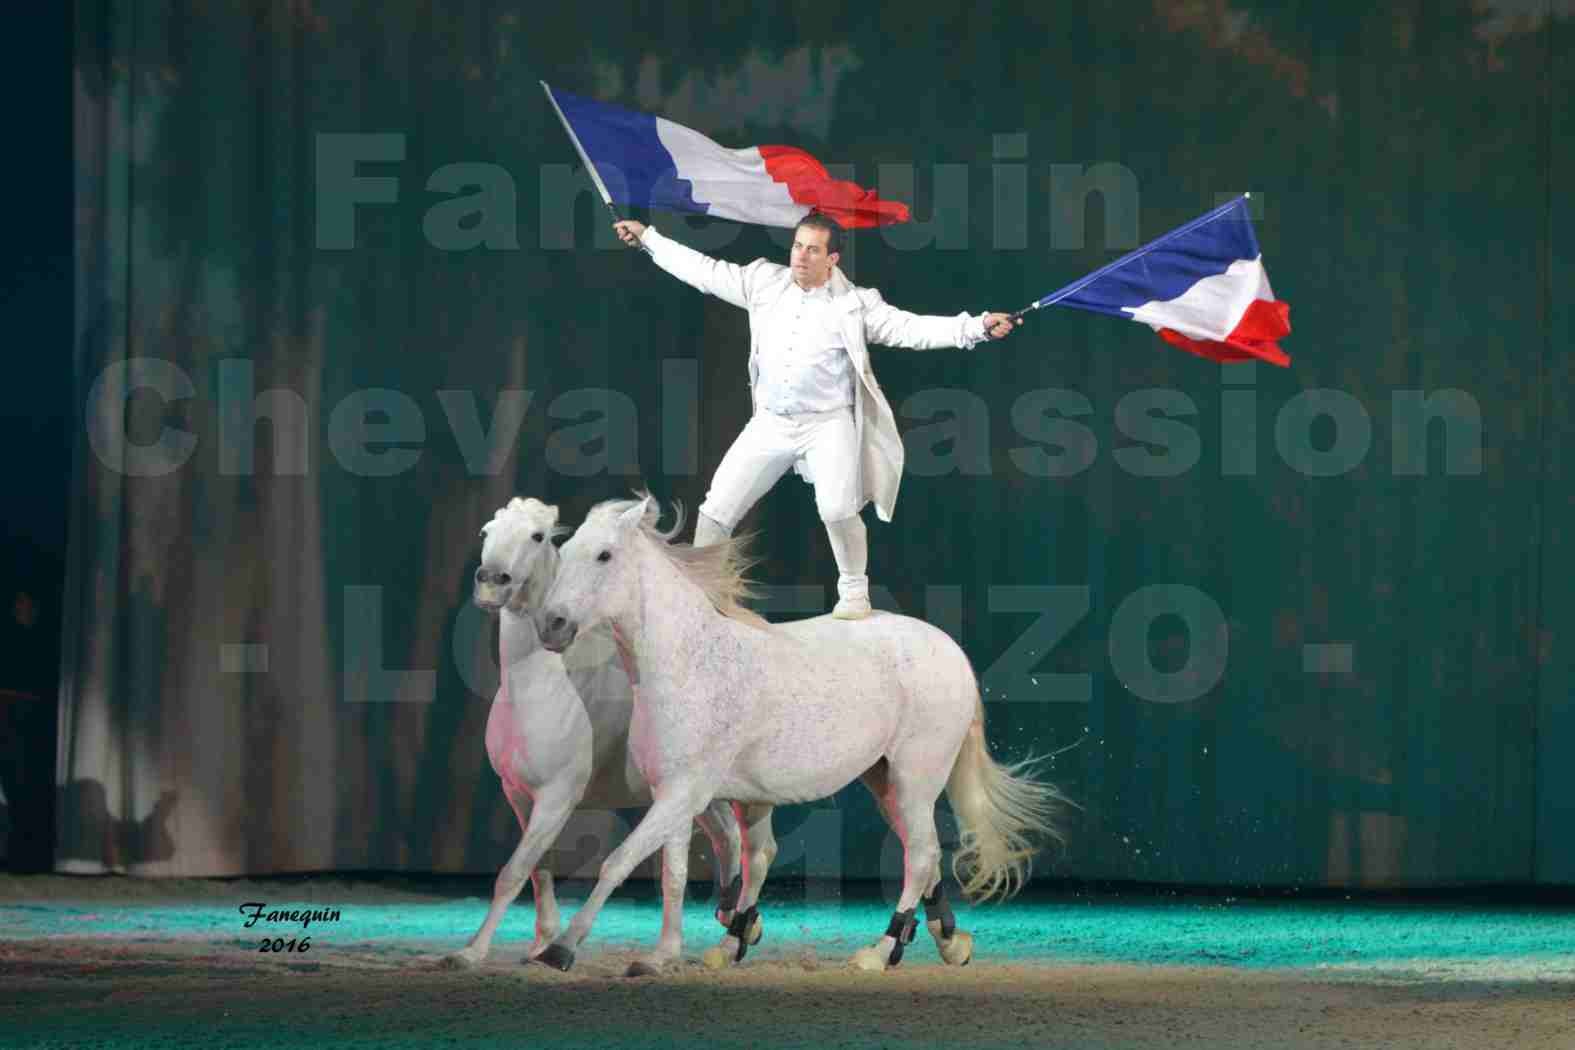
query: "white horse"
729, 706
557, 736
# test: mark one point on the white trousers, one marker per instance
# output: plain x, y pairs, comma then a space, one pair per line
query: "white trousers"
826, 442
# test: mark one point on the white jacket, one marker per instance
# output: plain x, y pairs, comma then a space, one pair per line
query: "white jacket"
865, 318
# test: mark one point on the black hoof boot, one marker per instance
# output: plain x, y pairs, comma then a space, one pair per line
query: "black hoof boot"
729, 899
556, 956
936, 909
900, 930
739, 929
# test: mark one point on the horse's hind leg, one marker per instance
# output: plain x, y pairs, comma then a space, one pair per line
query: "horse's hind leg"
744, 926
877, 780
956, 946
727, 847
911, 785
760, 850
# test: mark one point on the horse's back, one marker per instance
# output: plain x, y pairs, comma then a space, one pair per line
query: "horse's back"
904, 644
918, 658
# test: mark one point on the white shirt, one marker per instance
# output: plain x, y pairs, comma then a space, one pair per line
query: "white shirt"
804, 365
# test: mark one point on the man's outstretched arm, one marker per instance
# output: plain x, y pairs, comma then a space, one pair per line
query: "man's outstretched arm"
727, 281
886, 325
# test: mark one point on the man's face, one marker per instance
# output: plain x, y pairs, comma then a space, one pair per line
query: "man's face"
810, 260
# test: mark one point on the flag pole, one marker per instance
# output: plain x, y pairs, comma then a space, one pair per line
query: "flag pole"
1054, 297
601, 187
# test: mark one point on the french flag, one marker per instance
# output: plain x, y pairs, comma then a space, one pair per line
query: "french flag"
1202, 287
650, 162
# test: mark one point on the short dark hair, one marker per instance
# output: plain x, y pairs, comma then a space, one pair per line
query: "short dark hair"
817, 220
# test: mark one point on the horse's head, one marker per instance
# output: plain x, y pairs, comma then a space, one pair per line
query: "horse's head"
515, 547
597, 575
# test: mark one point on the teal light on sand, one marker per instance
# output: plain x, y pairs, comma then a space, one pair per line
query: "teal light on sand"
1178, 931
126, 964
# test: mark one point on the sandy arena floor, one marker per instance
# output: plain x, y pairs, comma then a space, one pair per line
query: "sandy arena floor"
114, 963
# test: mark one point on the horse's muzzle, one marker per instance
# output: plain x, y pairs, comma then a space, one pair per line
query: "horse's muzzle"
556, 631
489, 598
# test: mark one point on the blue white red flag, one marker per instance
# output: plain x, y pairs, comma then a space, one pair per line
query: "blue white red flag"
650, 162
1202, 287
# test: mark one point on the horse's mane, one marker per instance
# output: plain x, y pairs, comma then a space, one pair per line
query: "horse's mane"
517, 511
718, 569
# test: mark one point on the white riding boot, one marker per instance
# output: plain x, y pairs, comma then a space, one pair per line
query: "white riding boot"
708, 532
850, 546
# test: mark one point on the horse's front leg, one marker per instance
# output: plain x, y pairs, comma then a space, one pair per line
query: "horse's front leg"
675, 879
550, 812
668, 818
548, 922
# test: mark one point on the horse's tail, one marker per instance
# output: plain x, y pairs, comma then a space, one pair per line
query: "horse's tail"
1004, 815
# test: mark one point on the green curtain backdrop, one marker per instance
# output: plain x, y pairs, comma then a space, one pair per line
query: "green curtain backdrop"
1304, 626
1554, 856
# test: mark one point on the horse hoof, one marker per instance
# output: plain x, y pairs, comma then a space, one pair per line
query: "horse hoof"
756, 931
715, 959
959, 950
458, 961
870, 960
641, 969
556, 956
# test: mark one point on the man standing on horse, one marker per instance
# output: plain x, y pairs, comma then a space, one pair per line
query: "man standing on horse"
817, 407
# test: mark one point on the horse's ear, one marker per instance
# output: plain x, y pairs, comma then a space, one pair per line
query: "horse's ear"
632, 517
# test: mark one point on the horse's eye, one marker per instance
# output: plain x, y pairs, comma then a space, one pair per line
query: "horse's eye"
604, 556
536, 536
